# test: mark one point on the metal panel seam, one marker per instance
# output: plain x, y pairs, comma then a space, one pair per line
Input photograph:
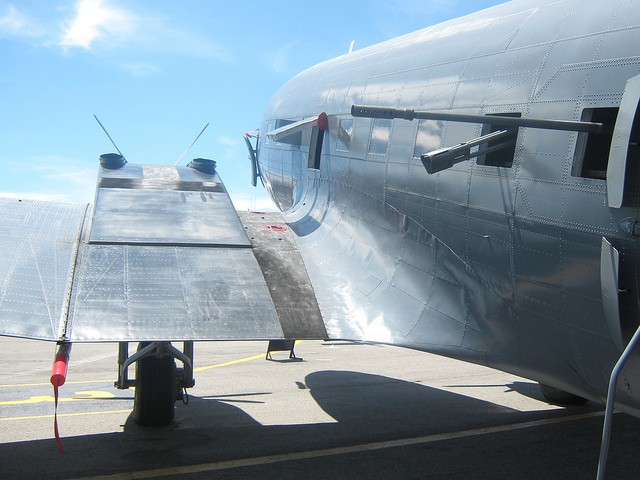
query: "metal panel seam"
64, 316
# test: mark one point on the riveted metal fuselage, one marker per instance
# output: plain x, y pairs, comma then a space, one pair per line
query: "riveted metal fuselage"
494, 260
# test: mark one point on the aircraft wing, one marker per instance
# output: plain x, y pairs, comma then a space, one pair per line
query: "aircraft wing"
38, 241
162, 256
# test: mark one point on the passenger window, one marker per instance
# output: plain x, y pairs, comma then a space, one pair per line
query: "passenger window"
428, 138
499, 153
380, 134
592, 150
345, 132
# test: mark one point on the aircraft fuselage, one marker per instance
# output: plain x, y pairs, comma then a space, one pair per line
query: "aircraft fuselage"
520, 258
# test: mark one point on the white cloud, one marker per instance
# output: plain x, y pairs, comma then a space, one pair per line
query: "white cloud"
94, 20
421, 8
228, 141
14, 23
132, 39
230, 148
54, 178
167, 39
253, 203
40, 196
279, 60
140, 69
101, 25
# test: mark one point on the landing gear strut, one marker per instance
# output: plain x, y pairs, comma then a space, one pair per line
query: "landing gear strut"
158, 382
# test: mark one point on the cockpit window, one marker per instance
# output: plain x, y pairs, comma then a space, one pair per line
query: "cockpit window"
270, 126
294, 138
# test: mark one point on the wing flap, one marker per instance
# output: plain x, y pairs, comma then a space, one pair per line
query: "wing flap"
170, 293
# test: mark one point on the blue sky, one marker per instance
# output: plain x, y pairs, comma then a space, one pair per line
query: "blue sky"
155, 72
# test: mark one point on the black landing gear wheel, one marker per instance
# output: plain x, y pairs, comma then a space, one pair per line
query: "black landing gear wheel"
156, 387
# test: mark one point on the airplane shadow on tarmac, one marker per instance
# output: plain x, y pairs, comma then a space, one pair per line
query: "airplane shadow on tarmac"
366, 408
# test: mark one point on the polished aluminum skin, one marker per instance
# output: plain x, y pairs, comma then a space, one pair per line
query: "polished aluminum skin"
170, 293
521, 263
38, 241
163, 257
157, 204
167, 259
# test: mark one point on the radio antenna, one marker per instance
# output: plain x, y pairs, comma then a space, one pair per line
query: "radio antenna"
105, 131
189, 148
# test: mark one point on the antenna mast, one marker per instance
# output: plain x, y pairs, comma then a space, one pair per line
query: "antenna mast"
189, 148
105, 131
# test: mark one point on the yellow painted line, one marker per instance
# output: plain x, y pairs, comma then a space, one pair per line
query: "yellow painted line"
327, 452
42, 384
77, 414
232, 362
92, 395
199, 369
88, 395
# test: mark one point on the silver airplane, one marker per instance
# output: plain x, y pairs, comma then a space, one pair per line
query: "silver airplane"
470, 189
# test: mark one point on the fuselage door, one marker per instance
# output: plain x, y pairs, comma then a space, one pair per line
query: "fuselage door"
624, 146
609, 272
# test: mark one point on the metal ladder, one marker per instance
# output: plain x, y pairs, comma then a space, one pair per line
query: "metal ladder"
611, 394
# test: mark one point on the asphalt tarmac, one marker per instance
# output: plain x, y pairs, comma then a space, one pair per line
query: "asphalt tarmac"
346, 410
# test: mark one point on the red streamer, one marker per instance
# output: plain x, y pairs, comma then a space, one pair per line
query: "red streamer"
55, 420
58, 377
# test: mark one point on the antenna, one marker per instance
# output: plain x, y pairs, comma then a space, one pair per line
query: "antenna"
189, 148
105, 131
351, 45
